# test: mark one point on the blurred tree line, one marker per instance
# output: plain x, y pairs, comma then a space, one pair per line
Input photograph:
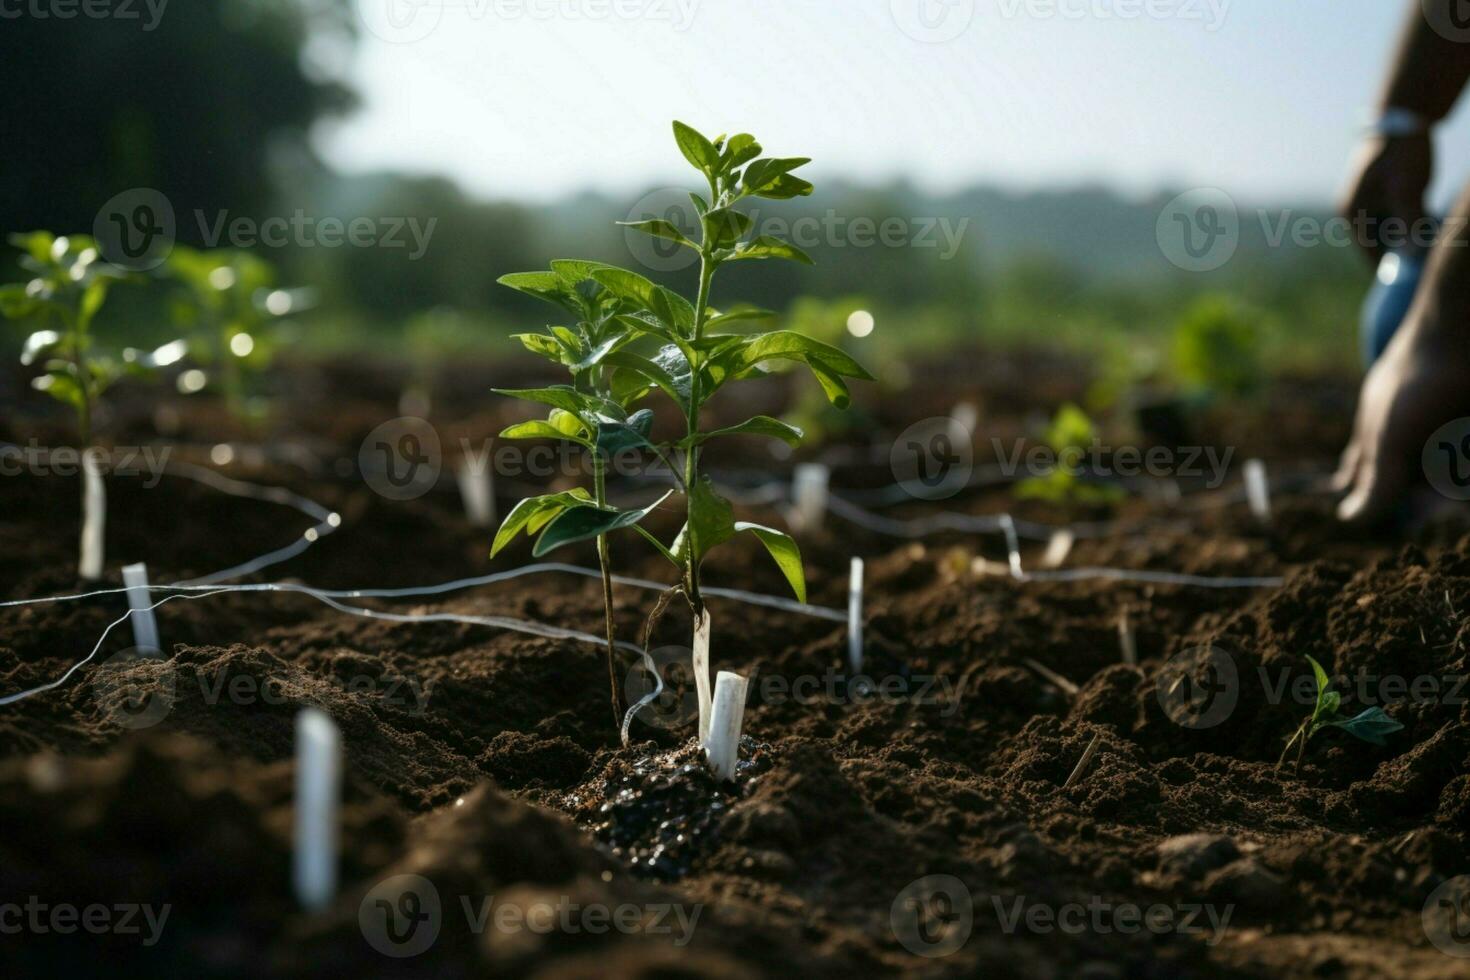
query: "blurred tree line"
215, 106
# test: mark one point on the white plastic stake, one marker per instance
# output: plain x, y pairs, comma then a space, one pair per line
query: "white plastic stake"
723, 749
318, 798
94, 518
1127, 642
1058, 547
855, 616
1257, 489
701, 674
809, 494
477, 489
145, 627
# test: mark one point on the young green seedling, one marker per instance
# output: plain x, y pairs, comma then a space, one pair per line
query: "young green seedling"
1070, 434
633, 337
1370, 725
231, 312
68, 286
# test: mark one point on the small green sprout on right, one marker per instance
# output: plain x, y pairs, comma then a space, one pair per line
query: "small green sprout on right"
1370, 725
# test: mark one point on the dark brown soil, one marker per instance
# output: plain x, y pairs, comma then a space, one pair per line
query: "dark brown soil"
485, 761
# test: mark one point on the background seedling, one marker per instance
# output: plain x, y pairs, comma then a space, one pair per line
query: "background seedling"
1370, 725
1070, 434
231, 312
68, 288
633, 337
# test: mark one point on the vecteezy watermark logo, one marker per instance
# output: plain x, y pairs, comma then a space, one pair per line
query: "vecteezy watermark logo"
932, 21
149, 12
1446, 917
827, 230
1199, 687
678, 703
401, 915
1210, 13
933, 916
1451, 20
933, 458
135, 229
400, 21
39, 918
1446, 459
407, 21
1199, 230
148, 462
400, 459
135, 688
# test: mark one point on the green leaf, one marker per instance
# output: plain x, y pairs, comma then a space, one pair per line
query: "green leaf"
724, 227
596, 354
760, 425
741, 149
698, 150
538, 510
582, 523
655, 371
626, 285
614, 436
1370, 725
711, 522
785, 188
784, 550
831, 382
574, 271
628, 386
791, 345
659, 228
564, 397
768, 247
771, 178
750, 313
543, 344
538, 429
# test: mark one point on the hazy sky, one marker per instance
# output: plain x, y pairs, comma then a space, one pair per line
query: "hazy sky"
537, 98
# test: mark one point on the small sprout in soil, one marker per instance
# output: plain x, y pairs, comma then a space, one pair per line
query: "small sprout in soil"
1070, 435
69, 284
631, 337
1370, 725
231, 311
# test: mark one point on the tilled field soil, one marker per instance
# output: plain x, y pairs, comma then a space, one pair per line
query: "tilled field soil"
916, 820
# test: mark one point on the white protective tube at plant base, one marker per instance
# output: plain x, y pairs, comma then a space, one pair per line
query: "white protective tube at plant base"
855, 617
318, 799
700, 666
723, 749
477, 488
145, 626
809, 485
1258, 489
94, 518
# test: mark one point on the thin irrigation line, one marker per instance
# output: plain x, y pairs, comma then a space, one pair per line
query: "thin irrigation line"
52, 685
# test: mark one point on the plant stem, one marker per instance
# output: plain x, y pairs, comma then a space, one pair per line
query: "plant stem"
604, 560
691, 455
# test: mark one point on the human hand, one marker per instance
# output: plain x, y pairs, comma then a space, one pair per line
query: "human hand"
1388, 179
1421, 381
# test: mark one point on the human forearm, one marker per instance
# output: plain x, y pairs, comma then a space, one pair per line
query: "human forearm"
1430, 69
